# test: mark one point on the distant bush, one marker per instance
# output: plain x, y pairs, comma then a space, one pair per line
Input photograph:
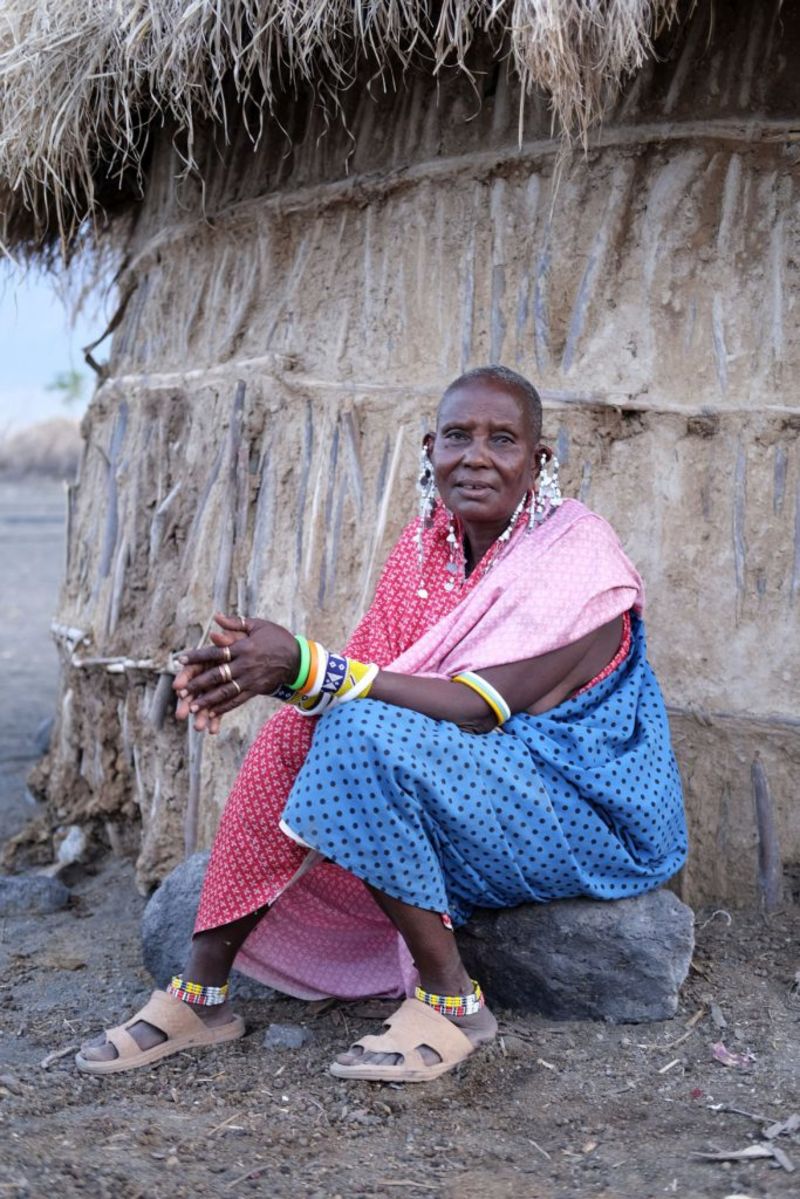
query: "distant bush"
51, 448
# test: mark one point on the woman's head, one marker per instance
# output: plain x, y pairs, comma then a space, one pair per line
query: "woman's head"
485, 451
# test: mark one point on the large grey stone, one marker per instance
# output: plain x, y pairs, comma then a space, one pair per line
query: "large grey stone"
168, 922
31, 894
621, 960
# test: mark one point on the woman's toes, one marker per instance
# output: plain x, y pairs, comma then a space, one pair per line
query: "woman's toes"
98, 1050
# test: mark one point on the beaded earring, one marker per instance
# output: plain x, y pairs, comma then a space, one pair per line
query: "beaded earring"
512, 524
452, 567
548, 492
426, 491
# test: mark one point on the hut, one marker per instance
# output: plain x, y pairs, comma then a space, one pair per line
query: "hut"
320, 213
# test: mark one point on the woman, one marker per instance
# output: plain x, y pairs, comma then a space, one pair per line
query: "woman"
494, 736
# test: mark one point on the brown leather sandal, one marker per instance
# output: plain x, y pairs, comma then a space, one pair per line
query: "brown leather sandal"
412, 1027
182, 1027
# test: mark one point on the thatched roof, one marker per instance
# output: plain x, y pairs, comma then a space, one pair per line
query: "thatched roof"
82, 84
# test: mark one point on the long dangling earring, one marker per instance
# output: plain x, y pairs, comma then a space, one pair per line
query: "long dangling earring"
426, 491
452, 539
515, 515
548, 492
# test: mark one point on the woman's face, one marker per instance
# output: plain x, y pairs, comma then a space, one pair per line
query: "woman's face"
483, 453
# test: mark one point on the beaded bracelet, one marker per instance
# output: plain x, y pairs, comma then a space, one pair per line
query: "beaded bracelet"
489, 694
325, 678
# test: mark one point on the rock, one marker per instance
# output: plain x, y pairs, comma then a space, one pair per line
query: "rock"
73, 847
286, 1036
622, 960
168, 922
31, 894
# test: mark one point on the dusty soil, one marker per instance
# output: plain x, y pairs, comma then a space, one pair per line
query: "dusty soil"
551, 1111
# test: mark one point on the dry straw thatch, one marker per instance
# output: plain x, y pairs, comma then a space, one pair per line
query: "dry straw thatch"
81, 84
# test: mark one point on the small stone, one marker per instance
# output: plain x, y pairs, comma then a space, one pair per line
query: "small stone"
286, 1036
31, 894
619, 960
168, 923
73, 847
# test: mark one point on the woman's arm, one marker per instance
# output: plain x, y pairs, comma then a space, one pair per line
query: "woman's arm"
268, 656
533, 685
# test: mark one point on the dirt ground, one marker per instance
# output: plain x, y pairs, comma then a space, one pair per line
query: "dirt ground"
551, 1111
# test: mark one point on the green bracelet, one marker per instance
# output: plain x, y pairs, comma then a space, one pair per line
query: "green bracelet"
305, 664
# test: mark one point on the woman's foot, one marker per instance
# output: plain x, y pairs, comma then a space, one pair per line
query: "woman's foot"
479, 1028
148, 1036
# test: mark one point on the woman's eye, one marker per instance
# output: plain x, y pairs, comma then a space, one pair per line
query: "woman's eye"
455, 434
503, 438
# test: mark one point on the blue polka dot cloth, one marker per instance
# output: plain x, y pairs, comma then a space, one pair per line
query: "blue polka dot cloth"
583, 800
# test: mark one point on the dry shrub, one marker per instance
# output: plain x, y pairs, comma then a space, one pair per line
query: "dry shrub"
51, 448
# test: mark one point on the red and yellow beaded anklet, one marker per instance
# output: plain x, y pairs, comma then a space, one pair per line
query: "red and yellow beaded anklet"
453, 1005
197, 994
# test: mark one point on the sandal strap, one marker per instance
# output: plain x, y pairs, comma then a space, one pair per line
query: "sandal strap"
415, 1024
123, 1042
170, 1016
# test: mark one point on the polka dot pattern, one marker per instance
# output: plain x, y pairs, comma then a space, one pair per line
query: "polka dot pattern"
585, 800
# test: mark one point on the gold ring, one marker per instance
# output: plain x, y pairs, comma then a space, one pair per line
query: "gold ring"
225, 673
236, 685
226, 653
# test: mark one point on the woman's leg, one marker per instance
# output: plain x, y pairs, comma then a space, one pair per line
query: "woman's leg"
209, 963
441, 970
248, 839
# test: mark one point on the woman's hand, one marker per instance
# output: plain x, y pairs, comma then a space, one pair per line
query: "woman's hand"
250, 657
203, 720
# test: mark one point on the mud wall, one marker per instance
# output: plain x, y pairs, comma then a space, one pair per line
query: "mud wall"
285, 336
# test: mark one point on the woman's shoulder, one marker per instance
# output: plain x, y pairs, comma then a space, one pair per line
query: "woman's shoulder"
574, 517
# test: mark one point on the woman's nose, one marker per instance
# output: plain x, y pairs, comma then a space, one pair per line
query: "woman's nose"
476, 453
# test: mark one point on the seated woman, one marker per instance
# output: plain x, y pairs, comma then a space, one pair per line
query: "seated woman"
494, 735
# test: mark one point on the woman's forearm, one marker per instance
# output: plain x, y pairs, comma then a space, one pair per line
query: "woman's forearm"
439, 698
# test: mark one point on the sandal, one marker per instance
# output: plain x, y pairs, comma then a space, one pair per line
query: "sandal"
182, 1027
412, 1027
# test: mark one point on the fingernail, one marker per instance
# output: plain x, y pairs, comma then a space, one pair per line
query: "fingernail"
183, 660
194, 708
183, 694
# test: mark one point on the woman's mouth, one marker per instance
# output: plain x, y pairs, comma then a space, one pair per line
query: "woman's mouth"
473, 490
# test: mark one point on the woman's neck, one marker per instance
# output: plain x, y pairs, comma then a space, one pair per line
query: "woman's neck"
477, 543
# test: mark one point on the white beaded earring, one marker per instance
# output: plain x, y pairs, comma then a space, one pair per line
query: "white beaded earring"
548, 492
426, 492
512, 524
452, 567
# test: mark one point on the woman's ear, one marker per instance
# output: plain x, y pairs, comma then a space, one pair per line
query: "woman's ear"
427, 443
541, 451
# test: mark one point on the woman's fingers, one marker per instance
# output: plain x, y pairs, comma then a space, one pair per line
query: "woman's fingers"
234, 624
209, 653
237, 701
183, 678
215, 699
215, 677
226, 638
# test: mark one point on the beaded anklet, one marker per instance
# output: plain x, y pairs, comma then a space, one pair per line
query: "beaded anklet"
453, 1005
196, 994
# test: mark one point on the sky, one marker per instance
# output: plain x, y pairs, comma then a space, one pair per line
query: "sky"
38, 343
